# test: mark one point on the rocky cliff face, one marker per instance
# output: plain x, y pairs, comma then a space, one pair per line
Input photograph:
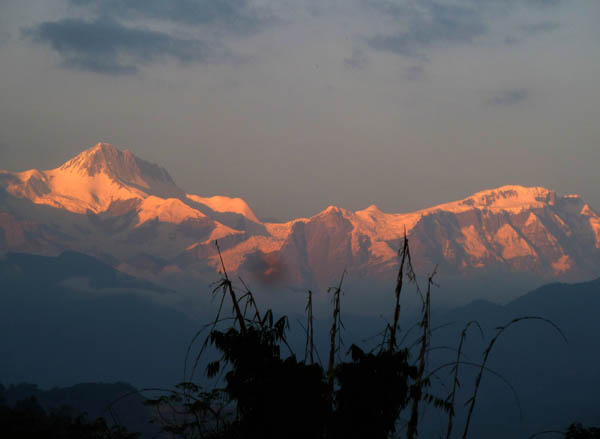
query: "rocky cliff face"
111, 204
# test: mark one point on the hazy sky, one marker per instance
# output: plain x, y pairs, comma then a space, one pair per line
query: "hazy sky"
296, 105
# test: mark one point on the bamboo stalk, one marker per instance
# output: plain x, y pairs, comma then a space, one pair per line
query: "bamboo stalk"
227, 284
463, 335
333, 333
310, 343
398, 291
413, 423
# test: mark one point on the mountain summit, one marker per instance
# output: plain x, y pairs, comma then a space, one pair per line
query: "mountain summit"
139, 220
104, 158
92, 180
508, 198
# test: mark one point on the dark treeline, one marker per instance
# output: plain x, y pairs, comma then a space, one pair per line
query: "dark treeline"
27, 418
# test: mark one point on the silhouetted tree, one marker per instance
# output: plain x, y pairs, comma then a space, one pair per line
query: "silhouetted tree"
268, 394
577, 431
27, 419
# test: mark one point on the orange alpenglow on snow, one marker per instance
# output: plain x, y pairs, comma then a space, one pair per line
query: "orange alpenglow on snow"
134, 206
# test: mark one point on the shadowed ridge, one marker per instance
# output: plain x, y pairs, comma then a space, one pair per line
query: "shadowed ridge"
557, 296
36, 270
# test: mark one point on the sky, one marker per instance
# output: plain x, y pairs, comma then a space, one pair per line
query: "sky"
298, 105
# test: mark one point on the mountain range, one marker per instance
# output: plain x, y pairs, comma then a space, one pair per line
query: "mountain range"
131, 214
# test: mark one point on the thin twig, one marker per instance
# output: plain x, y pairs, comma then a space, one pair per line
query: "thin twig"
486, 354
411, 431
452, 395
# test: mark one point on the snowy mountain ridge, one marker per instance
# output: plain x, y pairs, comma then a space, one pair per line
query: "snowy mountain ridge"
111, 204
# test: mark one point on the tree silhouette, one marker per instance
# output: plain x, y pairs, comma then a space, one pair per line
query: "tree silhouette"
268, 393
27, 419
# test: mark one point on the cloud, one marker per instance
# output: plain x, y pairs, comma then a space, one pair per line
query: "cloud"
357, 60
4, 37
428, 25
414, 73
114, 43
508, 97
546, 3
238, 16
531, 30
266, 268
108, 47
541, 27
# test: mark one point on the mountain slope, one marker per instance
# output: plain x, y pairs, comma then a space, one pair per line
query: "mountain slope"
513, 228
93, 180
66, 319
130, 213
556, 381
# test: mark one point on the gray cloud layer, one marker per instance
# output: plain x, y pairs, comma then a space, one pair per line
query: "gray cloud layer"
357, 60
508, 97
431, 23
541, 27
428, 25
229, 15
106, 46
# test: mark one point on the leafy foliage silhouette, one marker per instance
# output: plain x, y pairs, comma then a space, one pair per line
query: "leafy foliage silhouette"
373, 390
260, 392
28, 419
577, 431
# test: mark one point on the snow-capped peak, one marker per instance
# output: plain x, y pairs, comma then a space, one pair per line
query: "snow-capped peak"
372, 211
522, 228
512, 198
225, 204
92, 180
507, 197
123, 166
